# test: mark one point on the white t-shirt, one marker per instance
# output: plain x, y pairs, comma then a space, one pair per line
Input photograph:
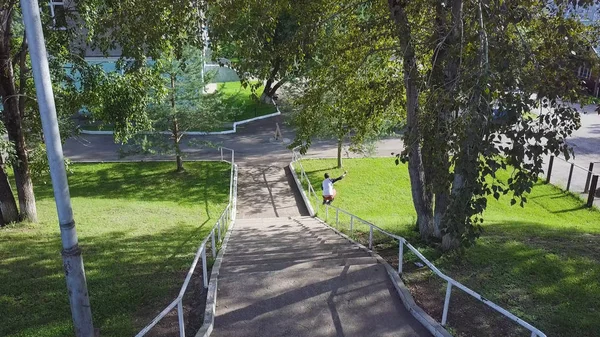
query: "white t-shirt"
327, 187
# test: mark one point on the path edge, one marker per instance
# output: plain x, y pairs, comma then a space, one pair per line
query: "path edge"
211, 296
435, 328
311, 211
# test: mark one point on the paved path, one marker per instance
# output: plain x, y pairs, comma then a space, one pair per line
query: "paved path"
285, 278
265, 192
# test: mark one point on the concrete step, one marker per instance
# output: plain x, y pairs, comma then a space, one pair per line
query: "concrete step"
307, 255
294, 249
235, 270
342, 300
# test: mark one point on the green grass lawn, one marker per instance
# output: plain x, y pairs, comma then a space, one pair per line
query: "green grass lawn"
241, 98
541, 262
139, 225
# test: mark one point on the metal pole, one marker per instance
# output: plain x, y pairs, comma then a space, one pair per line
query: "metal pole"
370, 237
214, 246
446, 303
400, 255
71, 253
351, 224
219, 230
221, 154
592, 193
337, 216
204, 268
180, 316
549, 169
589, 177
570, 176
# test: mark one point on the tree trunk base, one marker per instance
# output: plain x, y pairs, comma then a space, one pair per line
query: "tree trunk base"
266, 99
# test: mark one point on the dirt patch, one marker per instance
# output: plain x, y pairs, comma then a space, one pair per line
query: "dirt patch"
467, 316
194, 304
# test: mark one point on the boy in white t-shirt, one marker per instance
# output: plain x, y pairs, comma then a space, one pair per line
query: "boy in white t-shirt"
328, 190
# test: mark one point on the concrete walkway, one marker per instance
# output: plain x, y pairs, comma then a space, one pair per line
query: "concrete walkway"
281, 277
264, 191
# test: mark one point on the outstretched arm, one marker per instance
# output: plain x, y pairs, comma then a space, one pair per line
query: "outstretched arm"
339, 178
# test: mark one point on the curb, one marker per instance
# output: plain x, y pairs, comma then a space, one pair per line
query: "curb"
304, 197
418, 313
211, 295
198, 133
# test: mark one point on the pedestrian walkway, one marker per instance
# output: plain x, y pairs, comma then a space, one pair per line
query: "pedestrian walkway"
295, 277
264, 191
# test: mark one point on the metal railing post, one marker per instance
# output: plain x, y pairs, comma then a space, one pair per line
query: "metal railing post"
337, 216
221, 154
351, 224
370, 236
204, 268
446, 303
549, 169
326, 212
214, 246
589, 178
570, 176
400, 255
219, 230
180, 316
592, 193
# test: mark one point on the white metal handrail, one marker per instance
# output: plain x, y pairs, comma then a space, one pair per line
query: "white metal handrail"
296, 157
216, 235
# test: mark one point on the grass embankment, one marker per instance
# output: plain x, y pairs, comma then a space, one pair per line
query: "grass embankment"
233, 95
240, 98
540, 262
139, 225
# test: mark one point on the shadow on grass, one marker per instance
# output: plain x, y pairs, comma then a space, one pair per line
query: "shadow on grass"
134, 270
549, 278
125, 275
160, 182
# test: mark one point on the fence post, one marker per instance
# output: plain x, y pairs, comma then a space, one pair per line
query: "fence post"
219, 230
180, 316
549, 169
337, 216
592, 193
446, 303
351, 224
214, 246
400, 255
326, 212
204, 268
570, 176
589, 177
370, 236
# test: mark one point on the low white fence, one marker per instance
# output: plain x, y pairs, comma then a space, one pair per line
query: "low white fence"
355, 220
216, 235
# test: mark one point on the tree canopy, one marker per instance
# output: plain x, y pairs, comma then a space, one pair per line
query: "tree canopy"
466, 74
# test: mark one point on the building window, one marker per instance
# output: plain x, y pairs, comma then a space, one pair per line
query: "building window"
58, 14
584, 72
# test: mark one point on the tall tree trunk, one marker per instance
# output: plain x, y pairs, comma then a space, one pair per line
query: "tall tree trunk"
422, 198
176, 139
445, 76
339, 152
176, 132
270, 89
8, 207
13, 121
